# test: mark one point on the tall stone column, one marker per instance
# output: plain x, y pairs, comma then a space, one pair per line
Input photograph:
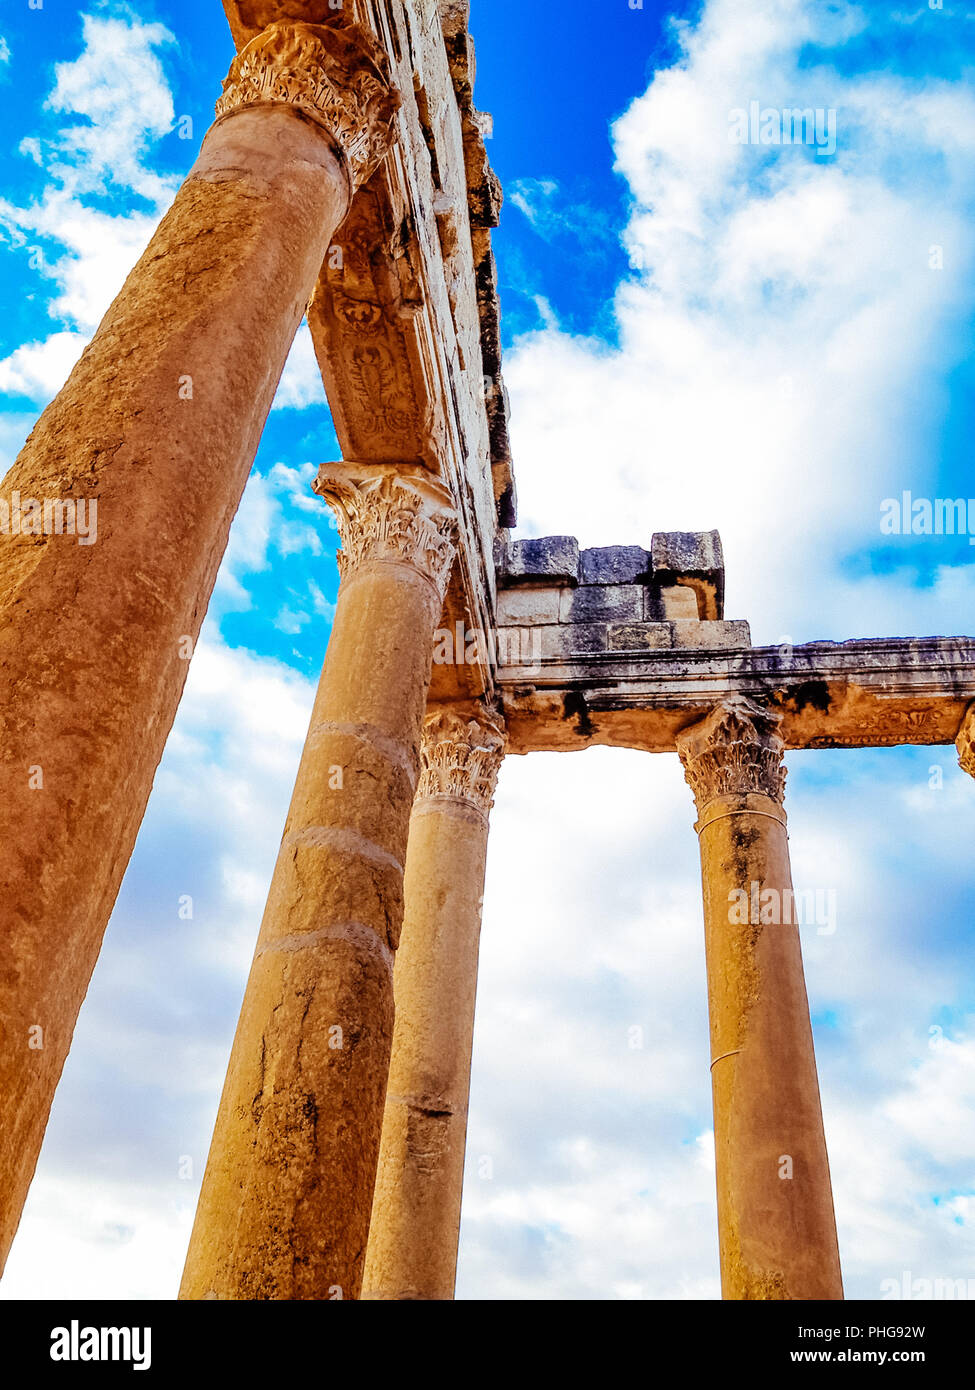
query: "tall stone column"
155, 431
775, 1208
965, 743
284, 1211
412, 1252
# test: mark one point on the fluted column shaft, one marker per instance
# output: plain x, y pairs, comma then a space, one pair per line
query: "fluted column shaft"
284, 1211
158, 424
775, 1209
412, 1252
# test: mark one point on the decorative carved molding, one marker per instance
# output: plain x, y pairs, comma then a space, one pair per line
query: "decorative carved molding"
735, 751
965, 743
461, 757
335, 74
373, 341
385, 516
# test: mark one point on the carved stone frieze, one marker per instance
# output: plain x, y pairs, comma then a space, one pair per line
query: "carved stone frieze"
364, 319
735, 751
383, 516
336, 75
461, 757
966, 743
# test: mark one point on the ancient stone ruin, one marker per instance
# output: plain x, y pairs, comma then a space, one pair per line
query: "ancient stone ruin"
336, 1172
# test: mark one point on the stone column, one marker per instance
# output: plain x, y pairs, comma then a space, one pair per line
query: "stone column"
412, 1252
155, 431
965, 743
775, 1207
284, 1211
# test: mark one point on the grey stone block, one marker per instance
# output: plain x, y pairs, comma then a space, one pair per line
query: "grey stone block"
529, 605
695, 559
639, 637
548, 560
604, 603
711, 635
614, 564
565, 640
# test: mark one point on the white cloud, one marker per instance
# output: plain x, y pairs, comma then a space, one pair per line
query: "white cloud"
301, 381
39, 370
118, 87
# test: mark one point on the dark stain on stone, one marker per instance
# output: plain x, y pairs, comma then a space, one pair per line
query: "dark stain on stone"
574, 707
814, 693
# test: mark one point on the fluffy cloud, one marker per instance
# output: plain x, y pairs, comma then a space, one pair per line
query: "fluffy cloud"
782, 339
39, 370
301, 381
118, 91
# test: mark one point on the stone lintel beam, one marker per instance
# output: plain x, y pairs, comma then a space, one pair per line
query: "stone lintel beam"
879, 692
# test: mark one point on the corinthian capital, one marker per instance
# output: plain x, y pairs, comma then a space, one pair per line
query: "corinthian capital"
388, 516
336, 75
461, 754
735, 751
965, 743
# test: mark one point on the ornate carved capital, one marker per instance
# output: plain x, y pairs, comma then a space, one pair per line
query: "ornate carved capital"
965, 743
336, 75
461, 757
388, 516
735, 751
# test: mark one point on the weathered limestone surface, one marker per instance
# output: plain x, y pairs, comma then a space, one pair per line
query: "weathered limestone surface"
680, 577
159, 423
693, 559
413, 1236
966, 743
775, 1209
284, 1210
599, 686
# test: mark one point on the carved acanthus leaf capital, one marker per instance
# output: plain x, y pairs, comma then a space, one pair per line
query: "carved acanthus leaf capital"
383, 515
337, 75
965, 743
735, 751
461, 757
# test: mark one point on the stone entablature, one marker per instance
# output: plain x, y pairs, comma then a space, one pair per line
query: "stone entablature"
875, 693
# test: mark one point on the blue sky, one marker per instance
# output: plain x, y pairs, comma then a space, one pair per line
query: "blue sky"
697, 334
